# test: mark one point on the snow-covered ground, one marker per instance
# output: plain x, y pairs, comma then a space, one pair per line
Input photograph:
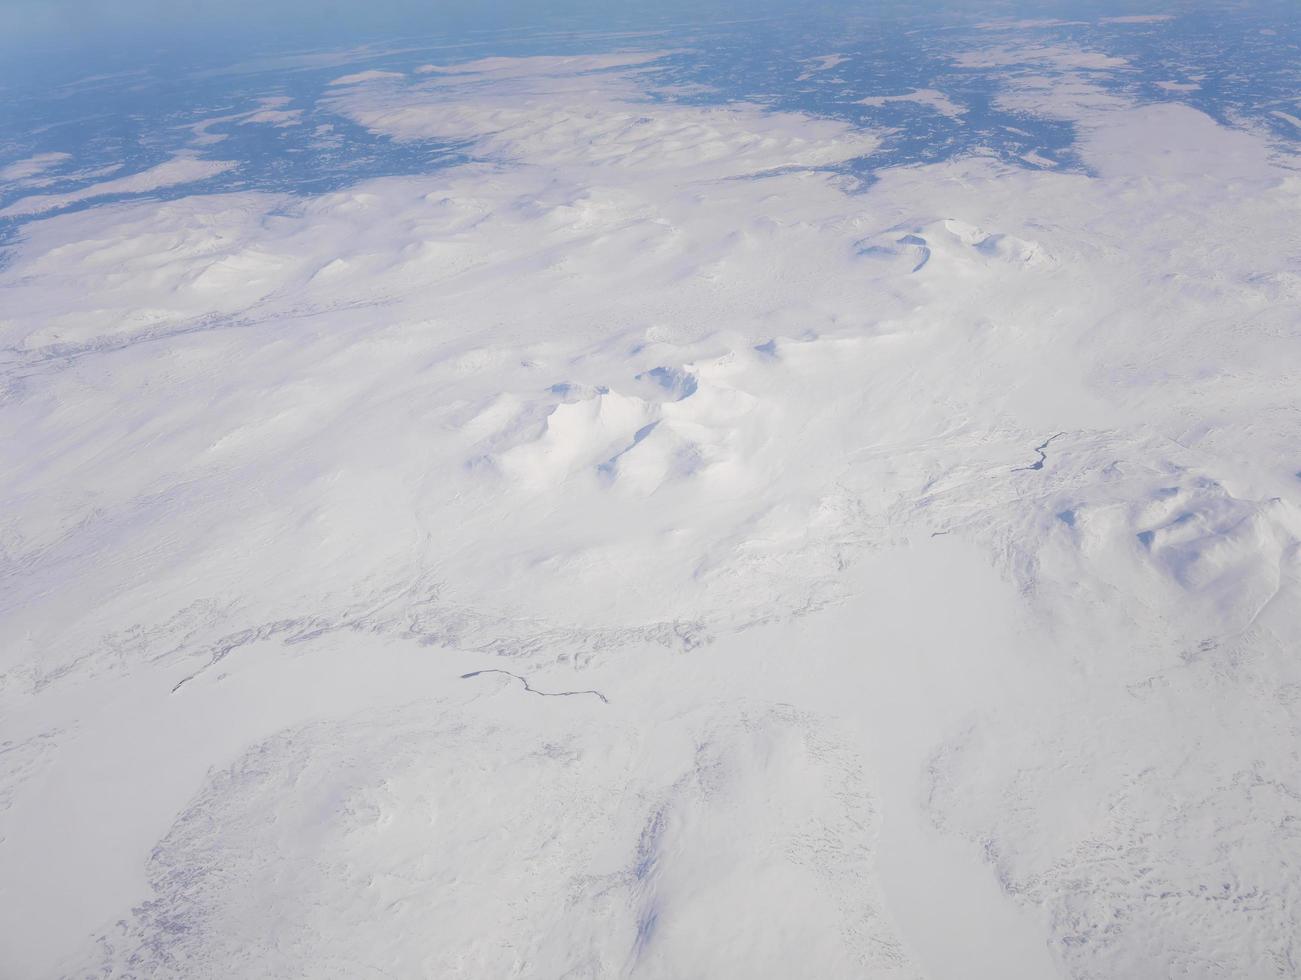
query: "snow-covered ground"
914, 566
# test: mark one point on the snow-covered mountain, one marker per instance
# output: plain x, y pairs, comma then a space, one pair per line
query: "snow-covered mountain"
663, 533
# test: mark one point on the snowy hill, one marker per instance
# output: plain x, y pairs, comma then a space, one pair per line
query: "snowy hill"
669, 537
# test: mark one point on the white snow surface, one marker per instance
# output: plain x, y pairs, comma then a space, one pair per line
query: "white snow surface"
32, 166
938, 101
180, 169
308, 504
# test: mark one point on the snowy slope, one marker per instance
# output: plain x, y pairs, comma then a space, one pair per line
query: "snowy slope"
918, 563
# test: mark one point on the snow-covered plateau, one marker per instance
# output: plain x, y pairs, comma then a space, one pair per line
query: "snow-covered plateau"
647, 549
